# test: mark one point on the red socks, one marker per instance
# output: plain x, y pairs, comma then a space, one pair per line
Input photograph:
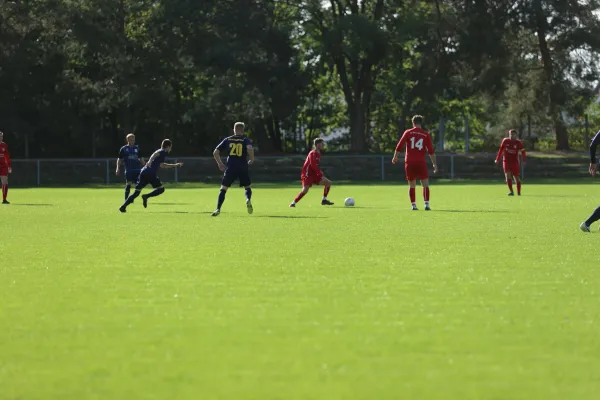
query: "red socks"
519, 188
326, 191
411, 193
4, 191
510, 186
299, 196
426, 194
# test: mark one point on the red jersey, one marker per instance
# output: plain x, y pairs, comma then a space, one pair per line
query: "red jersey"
311, 165
4, 156
415, 142
510, 148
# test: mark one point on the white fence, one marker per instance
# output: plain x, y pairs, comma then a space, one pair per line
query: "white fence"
56, 172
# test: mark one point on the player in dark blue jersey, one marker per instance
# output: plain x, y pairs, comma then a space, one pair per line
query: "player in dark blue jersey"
129, 155
149, 175
585, 226
240, 155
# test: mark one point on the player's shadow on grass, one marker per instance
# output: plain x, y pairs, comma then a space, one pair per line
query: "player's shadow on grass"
172, 204
181, 212
31, 205
286, 216
472, 211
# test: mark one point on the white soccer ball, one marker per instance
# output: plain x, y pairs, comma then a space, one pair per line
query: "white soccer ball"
349, 202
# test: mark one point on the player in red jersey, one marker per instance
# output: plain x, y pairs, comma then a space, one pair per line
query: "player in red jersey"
312, 175
5, 168
509, 150
415, 142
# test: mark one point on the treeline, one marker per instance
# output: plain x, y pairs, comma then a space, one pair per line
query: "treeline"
76, 75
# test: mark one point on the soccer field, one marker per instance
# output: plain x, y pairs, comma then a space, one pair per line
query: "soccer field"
485, 297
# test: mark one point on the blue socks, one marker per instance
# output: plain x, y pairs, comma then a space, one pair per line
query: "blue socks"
594, 217
248, 194
131, 198
156, 192
221, 198
127, 191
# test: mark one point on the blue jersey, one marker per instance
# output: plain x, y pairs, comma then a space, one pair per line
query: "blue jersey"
237, 150
162, 156
131, 157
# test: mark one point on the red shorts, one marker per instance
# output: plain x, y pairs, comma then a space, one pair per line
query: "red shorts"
512, 167
3, 170
308, 181
416, 171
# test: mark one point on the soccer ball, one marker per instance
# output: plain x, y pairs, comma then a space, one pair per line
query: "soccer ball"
349, 202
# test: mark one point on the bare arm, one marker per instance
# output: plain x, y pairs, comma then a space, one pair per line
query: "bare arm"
250, 154
118, 171
152, 157
167, 165
217, 156
434, 162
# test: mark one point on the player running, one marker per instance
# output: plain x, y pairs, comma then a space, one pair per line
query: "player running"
312, 174
130, 156
415, 142
148, 175
240, 155
585, 226
5, 168
509, 150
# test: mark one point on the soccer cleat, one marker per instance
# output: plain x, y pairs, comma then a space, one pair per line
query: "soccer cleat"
122, 209
216, 213
250, 208
5, 202
427, 208
511, 194
145, 200
414, 208
326, 203
584, 227
292, 205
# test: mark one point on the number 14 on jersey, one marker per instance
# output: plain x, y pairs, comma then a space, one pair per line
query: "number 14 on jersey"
418, 144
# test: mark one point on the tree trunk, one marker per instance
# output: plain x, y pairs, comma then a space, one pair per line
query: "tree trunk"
562, 138
275, 133
357, 128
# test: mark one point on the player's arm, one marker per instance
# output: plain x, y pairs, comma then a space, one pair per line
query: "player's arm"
250, 154
119, 161
500, 152
401, 145
167, 165
7, 158
523, 155
431, 151
593, 161
217, 156
152, 158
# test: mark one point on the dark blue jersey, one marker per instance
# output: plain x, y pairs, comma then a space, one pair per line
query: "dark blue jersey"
236, 148
159, 159
131, 157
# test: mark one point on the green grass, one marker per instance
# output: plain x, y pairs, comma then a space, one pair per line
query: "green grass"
486, 297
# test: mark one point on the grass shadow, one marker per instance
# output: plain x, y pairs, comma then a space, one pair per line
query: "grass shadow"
181, 212
286, 216
473, 211
31, 205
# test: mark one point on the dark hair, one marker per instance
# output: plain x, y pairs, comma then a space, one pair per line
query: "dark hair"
513, 131
166, 143
417, 119
317, 141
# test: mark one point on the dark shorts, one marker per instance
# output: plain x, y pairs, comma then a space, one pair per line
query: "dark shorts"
234, 173
147, 177
132, 176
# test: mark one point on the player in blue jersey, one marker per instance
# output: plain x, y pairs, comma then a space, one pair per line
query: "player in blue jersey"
240, 155
149, 175
585, 226
130, 156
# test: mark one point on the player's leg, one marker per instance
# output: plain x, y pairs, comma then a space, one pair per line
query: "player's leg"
158, 190
412, 193
517, 175
509, 181
326, 188
306, 184
585, 226
4, 180
425, 184
229, 176
141, 183
246, 182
